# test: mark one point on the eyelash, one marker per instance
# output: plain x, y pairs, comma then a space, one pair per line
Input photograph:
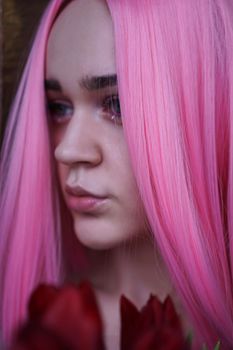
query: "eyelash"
60, 111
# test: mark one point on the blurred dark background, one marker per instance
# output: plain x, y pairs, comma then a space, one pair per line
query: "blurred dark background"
19, 20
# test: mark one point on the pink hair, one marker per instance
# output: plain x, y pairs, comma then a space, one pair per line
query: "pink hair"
29, 241
174, 63
176, 89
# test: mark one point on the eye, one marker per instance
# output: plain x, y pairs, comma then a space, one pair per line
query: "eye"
111, 106
59, 111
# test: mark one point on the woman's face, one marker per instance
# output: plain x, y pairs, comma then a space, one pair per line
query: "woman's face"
92, 158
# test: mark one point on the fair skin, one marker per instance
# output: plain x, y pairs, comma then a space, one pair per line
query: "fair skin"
91, 154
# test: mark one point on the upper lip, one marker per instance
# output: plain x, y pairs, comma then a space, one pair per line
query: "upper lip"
81, 192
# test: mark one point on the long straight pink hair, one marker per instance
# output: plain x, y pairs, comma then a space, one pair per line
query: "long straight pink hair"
175, 74
29, 240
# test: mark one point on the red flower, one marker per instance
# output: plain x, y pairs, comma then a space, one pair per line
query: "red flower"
155, 327
68, 319
59, 319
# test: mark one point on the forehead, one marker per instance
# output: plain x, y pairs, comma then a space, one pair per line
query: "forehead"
81, 41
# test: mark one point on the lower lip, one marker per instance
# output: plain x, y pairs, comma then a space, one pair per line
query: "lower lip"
85, 204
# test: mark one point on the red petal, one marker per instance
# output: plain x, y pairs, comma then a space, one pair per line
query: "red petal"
35, 337
157, 327
145, 341
75, 315
129, 322
40, 300
152, 313
170, 314
160, 340
69, 313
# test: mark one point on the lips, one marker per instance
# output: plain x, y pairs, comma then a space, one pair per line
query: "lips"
81, 192
83, 201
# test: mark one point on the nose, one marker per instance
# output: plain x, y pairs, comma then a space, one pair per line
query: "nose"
80, 142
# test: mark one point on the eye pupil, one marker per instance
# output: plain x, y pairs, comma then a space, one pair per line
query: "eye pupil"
61, 108
112, 107
57, 108
59, 111
116, 105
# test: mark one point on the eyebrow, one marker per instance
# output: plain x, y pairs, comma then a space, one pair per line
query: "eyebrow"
89, 83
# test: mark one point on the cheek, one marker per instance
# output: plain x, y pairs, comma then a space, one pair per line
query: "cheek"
62, 172
131, 210
123, 173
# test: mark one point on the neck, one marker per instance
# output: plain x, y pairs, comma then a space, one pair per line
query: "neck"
134, 269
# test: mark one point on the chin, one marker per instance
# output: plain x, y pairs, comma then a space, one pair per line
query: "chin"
97, 236
96, 243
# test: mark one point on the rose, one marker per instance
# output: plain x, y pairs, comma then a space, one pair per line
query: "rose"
65, 318
156, 326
